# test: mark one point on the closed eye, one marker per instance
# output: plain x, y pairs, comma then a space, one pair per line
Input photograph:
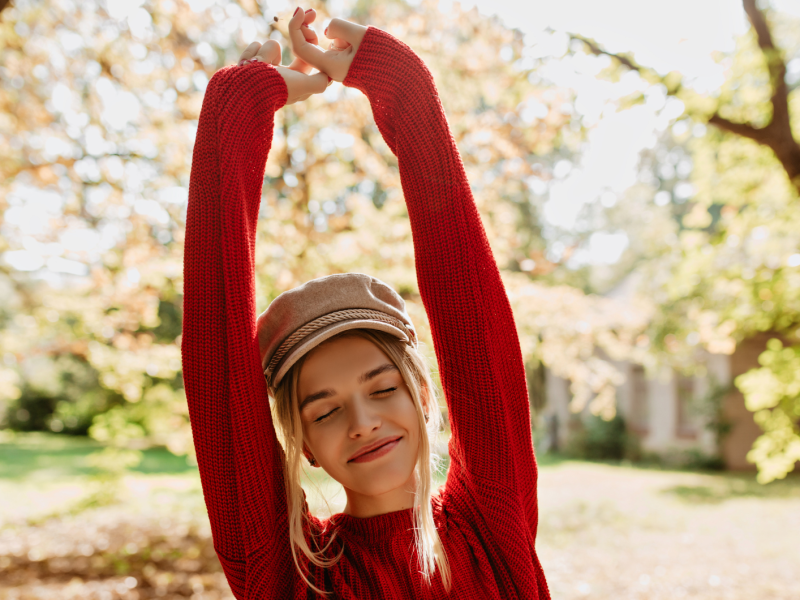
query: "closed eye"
325, 416
384, 392
381, 393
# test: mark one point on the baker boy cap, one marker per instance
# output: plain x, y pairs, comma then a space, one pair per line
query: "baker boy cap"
304, 317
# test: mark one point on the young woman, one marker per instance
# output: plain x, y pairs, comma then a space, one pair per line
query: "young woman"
339, 357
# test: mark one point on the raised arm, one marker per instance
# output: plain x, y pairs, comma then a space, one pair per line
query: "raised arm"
474, 335
240, 460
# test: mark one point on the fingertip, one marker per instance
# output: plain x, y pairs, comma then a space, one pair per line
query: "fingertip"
297, 17
297, 22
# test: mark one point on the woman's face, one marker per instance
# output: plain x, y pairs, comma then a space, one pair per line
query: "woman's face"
351, 396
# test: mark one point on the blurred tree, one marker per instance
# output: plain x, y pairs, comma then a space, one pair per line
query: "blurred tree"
99, 107
749, 114
732, 271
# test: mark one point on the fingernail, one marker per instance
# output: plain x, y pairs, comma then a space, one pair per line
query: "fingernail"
295, 11
326, 32
330, 78
309, 10
241, 62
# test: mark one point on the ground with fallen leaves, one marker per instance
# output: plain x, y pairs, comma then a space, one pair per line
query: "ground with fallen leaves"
606, 532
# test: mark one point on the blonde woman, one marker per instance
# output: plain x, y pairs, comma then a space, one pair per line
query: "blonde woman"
338, 356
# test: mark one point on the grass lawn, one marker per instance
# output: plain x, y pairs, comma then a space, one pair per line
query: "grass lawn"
34, 454
621, 532
42, 474
606, 531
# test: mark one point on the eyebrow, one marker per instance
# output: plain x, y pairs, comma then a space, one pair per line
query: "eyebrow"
327, 393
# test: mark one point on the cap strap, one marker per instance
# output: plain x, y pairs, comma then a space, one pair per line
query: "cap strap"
336, 317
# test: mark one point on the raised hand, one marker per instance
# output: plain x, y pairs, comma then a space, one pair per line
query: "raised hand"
299, 83
346, 37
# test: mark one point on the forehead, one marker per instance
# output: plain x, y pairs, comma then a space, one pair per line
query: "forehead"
338, 362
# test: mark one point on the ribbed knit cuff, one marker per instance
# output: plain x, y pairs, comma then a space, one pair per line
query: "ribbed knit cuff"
386, 69
253, 89
270, 86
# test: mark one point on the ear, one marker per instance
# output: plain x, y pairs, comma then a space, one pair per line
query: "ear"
426, 399
307, 452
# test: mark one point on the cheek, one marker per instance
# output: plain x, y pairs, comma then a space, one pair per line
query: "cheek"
407, 413
317, 438
328, 441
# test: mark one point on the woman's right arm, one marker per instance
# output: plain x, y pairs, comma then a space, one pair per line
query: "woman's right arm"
239, 457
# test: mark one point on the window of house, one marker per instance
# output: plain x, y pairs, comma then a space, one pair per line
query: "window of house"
639, 418
685, 392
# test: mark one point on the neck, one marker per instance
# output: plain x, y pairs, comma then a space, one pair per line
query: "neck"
400, 498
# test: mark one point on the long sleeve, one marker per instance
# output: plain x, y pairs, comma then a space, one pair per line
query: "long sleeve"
239, 457
474, 335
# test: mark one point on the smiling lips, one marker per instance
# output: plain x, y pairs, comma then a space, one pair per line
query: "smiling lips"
376, 450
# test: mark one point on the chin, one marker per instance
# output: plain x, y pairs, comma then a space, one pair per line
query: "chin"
382, 478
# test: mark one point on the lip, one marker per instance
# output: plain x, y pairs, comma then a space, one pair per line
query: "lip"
392, 439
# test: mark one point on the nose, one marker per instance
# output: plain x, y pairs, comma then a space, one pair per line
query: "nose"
364, 419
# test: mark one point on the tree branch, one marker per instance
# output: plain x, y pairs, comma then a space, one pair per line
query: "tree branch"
775, 65
780, 138
595, 49
673, 86
777, 134
756, 134
759, 24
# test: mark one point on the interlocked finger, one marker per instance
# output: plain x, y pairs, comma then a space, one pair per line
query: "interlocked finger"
338, 44
250, 51
298, 64
308, 31
303, 48
345, 33
270, 53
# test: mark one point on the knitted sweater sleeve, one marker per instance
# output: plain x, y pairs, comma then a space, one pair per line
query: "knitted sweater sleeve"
474, 335
239, 457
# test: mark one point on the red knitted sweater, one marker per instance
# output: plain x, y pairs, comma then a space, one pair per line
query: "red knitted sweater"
486, 513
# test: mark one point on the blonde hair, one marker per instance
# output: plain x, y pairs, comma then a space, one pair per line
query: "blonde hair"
416, 374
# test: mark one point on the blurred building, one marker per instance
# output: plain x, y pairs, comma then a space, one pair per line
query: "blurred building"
663, 412
669, 413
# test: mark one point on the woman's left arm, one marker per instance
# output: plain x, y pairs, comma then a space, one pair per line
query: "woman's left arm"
474, 334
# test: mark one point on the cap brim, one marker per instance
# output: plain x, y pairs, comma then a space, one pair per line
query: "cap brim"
317, 337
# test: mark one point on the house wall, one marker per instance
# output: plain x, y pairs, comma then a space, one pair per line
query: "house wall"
719, 373
556, 413
744, 430
650, 405
663, 413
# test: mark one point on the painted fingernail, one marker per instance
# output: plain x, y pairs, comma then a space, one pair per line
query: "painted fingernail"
295, 11
330, 78
326, 32
309, 10
241, 62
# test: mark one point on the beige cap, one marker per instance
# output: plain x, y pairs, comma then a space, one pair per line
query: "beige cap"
306, 316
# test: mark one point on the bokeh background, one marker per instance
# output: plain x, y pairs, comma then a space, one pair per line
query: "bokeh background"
636, 170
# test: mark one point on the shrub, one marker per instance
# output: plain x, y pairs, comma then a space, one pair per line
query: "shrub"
599, 439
